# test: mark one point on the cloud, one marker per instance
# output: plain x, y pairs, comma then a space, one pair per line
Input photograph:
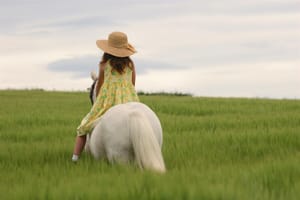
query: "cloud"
81, 66
180, 40
222, 40
76, 22
144, 66
250, 52
275, 80
78, 66
16, 15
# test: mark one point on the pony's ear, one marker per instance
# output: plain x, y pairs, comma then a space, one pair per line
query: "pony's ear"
94, 76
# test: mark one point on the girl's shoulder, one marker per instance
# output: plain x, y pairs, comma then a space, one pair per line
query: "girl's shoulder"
131, 65
102, 66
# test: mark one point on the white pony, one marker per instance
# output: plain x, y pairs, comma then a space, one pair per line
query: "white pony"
127, 132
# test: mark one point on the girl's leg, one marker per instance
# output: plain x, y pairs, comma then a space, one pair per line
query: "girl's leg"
79, 145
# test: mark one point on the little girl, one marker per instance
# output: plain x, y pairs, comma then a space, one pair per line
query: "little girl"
115, 84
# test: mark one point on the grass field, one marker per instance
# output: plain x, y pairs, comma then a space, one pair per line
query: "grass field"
214, 148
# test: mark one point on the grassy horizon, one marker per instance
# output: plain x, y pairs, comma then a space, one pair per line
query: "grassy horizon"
214, 148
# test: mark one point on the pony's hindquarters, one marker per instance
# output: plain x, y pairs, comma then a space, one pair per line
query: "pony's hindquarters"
110, 137
146, 148
128, 132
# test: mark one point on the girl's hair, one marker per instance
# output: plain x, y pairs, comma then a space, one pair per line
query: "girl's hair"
118, 63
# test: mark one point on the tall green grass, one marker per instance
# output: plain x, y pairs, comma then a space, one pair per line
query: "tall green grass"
214, 148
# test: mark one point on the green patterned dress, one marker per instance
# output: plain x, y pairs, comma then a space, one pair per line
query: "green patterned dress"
116, 89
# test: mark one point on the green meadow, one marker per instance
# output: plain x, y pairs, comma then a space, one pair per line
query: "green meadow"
214, 148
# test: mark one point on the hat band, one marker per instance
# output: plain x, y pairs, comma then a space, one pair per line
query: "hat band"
122, 46
117, 45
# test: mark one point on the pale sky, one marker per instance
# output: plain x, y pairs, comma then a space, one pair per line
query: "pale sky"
231, 48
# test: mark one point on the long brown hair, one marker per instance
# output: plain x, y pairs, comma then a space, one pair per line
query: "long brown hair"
118, 63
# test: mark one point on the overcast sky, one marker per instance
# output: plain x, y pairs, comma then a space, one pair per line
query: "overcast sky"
231, 48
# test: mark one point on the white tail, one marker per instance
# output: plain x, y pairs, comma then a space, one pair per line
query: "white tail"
146, 148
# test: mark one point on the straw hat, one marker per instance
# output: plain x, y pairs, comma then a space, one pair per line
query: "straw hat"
117, 45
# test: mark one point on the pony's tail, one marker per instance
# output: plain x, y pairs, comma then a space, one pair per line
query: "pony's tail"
145, 145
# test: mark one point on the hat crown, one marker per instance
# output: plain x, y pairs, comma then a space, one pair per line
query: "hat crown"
117, 40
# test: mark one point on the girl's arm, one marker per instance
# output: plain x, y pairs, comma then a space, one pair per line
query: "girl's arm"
133, 74
101, 78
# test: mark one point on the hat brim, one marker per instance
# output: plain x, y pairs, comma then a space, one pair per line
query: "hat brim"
119, 52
